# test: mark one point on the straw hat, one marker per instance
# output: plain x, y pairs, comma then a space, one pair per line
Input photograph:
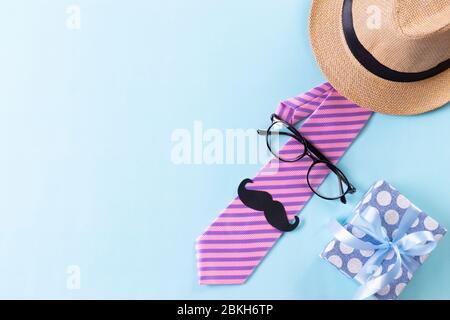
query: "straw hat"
391, 56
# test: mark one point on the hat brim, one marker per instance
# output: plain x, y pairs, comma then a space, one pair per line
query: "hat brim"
358, 84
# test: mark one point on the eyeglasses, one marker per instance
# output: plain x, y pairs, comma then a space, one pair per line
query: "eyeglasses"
279, 132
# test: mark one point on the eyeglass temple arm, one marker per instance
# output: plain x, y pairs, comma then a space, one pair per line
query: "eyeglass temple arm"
316, 151
265, 133
262, 132
341, 190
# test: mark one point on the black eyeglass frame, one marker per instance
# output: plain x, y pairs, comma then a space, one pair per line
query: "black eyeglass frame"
311, 151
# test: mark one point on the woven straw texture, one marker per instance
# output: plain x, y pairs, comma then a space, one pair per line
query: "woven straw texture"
352, 80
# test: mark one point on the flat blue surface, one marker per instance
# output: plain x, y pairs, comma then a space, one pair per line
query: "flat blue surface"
85, 135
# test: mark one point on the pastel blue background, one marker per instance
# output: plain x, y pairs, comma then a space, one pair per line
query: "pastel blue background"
86, 176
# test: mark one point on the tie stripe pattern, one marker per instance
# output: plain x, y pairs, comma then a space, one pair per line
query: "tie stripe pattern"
237, 241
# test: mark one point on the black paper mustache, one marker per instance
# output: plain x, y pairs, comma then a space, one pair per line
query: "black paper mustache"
262, 201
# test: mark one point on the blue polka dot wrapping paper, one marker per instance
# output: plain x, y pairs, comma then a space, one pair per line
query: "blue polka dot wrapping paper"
391, 205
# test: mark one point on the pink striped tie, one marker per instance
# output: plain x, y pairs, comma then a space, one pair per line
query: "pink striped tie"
235, 243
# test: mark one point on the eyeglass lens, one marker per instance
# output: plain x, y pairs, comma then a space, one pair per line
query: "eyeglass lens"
333, 187
280, 135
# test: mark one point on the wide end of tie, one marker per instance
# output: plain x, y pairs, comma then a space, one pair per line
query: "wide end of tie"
223, 266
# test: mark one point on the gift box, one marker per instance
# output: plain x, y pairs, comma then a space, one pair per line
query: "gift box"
357, 253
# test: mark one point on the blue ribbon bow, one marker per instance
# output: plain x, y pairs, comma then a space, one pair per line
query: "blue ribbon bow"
405, 246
